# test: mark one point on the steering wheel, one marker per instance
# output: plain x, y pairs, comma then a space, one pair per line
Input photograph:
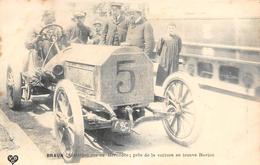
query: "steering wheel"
52, 33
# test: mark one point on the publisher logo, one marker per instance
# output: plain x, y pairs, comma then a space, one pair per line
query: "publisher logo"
12, 158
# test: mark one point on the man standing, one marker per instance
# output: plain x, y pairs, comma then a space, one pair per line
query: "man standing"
140, 32
168, 48
78, 32
115, 29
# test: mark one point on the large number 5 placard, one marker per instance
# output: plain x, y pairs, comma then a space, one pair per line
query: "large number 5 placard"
124, 67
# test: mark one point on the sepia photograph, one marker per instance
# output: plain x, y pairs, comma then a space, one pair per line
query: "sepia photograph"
130, 82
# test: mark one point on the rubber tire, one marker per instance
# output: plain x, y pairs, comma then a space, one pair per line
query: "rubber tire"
74, 101
194, 88
17, 91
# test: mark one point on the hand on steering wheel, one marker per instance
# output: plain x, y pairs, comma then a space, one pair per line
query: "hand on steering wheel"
52, 33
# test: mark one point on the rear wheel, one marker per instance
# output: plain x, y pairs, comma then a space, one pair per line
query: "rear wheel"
182, 102
69, 125
13, 88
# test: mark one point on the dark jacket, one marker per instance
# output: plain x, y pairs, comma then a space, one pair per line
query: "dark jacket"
96, 38
114, 31
140, 34
78, 33
168, 49
41, 45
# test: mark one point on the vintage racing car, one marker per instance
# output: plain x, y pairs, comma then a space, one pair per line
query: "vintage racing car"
96, 87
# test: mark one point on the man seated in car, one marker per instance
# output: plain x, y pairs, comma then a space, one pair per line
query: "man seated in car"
97, 28
41, 47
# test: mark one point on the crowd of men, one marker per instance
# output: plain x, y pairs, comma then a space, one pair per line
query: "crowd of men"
133, 30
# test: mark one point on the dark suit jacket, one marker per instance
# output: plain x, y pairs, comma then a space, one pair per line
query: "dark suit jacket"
140, 34
114, 31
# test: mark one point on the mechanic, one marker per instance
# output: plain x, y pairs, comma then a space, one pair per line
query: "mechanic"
96, 32
78, 32
140, 31
38, 45
168, 48
115, 29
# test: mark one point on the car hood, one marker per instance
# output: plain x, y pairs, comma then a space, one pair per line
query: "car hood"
89, 54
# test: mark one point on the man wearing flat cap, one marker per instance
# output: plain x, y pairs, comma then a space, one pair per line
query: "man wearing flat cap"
97, 27
48, 17
38, 46
115, 29
78, 32
140, 31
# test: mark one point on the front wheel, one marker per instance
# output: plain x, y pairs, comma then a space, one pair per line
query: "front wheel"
13, 88
69, 124
183, 106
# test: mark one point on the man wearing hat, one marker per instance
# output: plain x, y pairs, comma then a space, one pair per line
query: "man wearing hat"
115, 29
48, 17
78, 32
39, 47
140, 31
97, 32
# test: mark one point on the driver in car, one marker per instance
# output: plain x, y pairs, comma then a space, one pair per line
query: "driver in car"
39, 46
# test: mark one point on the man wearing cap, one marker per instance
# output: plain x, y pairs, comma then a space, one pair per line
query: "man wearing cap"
39, 47
78, 32
140, 32
97, 32
115, 29
48, 18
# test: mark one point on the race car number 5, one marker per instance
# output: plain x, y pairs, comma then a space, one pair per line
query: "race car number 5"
123, 68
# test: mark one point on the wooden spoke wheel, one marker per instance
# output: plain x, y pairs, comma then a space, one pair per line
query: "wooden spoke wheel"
69, 124
13, 88
181, 99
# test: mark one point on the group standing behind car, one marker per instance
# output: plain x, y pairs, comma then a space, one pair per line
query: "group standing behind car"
133, 30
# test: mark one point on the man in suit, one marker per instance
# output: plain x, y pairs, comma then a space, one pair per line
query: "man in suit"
115, 29
140, 32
